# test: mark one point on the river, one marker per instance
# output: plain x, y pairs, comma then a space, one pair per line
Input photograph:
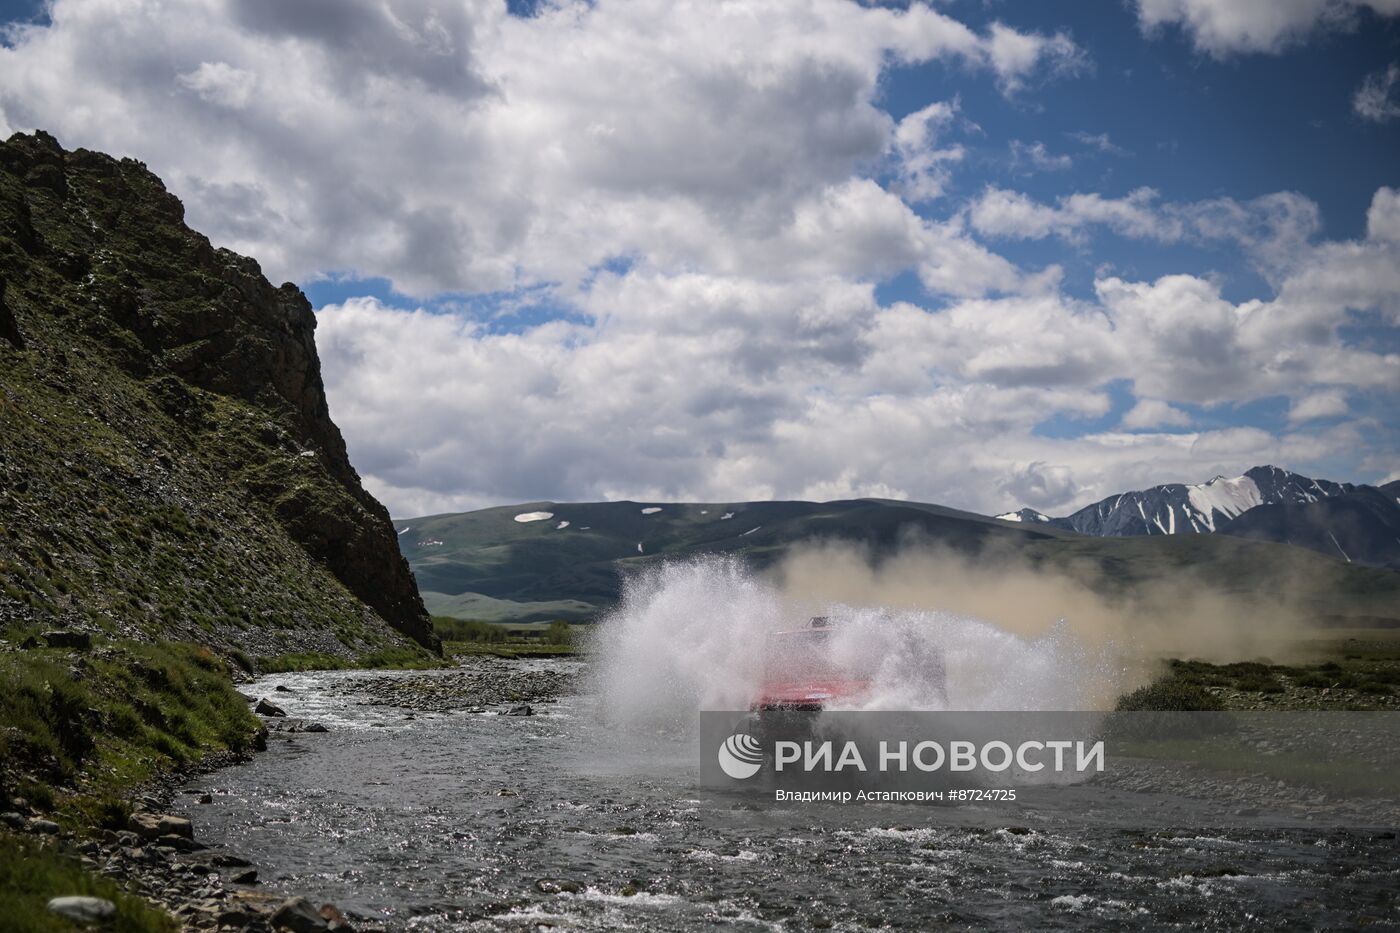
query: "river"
464, 820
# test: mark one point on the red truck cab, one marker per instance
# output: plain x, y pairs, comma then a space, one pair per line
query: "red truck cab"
800, 674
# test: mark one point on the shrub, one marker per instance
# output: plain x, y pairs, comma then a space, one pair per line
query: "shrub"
450, 629
1168, 696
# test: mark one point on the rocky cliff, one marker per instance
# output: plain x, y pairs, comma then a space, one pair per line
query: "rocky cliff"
168, 465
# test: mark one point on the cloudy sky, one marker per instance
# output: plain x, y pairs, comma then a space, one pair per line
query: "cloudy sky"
978, 253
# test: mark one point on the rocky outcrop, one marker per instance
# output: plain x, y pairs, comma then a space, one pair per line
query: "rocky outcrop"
9, 330
180, 383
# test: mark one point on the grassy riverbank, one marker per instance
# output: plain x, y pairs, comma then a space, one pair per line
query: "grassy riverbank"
80, 727
87, 729
407, 658
1357, 669
81, 730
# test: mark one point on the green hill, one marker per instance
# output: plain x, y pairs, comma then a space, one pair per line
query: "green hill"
487, 565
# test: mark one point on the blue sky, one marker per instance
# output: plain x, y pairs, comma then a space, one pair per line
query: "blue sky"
816, 249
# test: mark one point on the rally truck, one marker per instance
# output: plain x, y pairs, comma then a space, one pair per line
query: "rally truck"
802, 672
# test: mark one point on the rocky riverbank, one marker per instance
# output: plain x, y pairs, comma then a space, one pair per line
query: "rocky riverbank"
159, 858
157, 854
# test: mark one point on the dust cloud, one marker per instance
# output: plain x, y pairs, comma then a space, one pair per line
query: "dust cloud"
1000, 633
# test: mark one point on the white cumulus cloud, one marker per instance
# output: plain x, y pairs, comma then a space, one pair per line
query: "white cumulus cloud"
1223, 27
1323, 404
452, 147
1378, 97
1155, 413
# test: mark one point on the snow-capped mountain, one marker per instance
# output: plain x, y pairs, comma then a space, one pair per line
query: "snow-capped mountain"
1029, 516
1183, 508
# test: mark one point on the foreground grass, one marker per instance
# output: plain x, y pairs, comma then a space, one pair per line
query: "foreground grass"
30, 874
78, 729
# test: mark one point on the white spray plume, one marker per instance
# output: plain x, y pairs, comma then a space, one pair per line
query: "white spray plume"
692, 635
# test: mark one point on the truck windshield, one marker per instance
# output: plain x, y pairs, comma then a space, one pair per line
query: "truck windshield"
807, 655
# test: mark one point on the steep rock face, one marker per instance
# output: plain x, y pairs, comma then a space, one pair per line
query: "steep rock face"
1361, 526
154, 366
9, 329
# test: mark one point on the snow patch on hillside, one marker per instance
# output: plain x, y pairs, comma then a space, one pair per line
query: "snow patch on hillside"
533, 516
651, 511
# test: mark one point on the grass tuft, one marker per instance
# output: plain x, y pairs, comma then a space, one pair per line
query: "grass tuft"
112, 718
31, 874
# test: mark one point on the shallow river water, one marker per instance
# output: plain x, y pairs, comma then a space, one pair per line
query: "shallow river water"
466, 820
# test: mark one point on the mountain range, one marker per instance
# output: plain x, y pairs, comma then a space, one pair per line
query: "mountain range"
548, 560
1266, 503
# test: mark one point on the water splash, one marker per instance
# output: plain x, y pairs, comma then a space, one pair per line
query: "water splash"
691, 635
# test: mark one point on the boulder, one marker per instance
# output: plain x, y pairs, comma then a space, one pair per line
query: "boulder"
156, 825
179, 843
300, 916
83, 909
237, 917
175, 826
43, 827
522, 710
558, 886
246, 877
268, 709
81, 641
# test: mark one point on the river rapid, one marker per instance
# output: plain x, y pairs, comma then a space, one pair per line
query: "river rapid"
427, 809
